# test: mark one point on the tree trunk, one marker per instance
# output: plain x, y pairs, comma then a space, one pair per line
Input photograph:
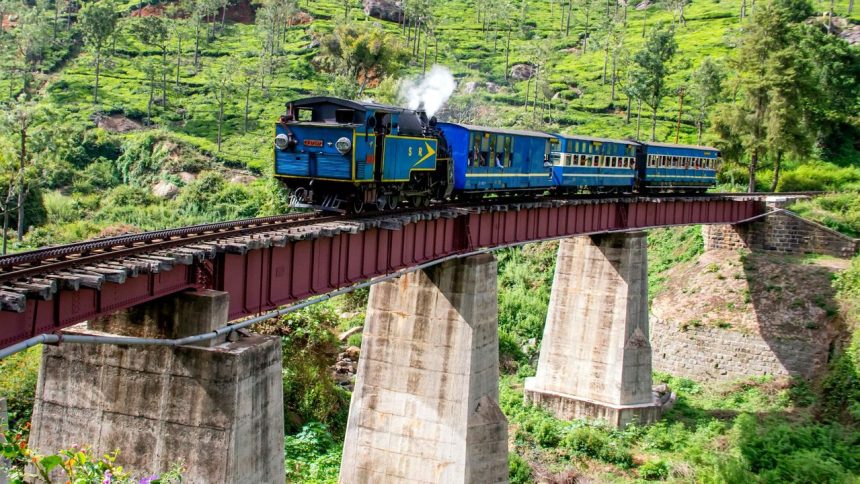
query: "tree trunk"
220, 116
197, 45
417, 47
508, 54
223, 15
151, 98
164, 77
178, 60
6, 224
644, 18
776, 169
629, 102
528, 92
435, 49
699, 131
638, 119
56, 18
21, 193
653, 123
605, 63
98, 71
753, 168
587, 18
247, 103
850, 7
830, 19
743, 9
424, 64
569, 13
614, 78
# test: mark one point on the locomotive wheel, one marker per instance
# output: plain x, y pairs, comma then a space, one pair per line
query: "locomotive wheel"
381, 202
393, 201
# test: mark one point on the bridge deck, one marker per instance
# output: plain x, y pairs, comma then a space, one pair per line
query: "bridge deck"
272, 268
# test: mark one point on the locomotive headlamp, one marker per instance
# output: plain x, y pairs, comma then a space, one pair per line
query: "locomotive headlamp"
343, 145
282, 141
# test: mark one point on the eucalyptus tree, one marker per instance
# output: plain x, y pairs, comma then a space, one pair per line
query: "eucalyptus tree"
32, 38
651, 68
21, 174
706, 87
175, 12
155, 32
221, 85
773, 81
248, 78
97, 22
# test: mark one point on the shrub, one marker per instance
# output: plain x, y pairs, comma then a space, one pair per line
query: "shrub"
596, 443
839, 211
98, 176
656, 470
18, 376
519, 471
312, 455
310, 393
775, 449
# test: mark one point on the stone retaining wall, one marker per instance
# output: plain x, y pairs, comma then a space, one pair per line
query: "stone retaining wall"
781, 231
708, 353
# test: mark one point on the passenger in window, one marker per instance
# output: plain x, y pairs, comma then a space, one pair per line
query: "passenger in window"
499, 162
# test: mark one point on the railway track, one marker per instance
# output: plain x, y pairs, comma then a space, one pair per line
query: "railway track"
40, 273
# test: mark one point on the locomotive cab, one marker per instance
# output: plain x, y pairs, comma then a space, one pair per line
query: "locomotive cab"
340, 155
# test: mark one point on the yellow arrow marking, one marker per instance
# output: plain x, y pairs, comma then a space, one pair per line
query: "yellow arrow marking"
430, 152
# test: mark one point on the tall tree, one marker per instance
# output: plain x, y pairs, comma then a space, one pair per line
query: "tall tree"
221, 86
18, 122
651, 67
155, 32
97, 22
706, 85
768, 62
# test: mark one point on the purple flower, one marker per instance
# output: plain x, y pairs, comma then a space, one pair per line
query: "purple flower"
147, 480
107, 478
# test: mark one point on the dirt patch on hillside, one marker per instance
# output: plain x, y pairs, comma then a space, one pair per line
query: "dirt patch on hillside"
117, 123
241, 12
9, 21
151, 11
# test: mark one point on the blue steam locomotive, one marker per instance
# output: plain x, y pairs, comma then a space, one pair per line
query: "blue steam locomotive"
346, 155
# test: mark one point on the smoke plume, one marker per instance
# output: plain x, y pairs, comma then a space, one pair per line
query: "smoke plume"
429, 92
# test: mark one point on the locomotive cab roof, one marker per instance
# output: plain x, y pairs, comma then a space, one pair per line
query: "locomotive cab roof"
329, 110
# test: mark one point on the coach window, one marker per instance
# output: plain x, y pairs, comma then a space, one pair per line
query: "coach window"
475, 150
507, 150
305, 115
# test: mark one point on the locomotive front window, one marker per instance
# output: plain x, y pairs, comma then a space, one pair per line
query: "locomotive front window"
344, 116
305, 115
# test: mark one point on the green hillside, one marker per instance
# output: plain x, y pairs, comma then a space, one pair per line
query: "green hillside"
146, 155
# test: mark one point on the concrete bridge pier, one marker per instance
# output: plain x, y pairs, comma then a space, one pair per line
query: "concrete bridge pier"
216, 408
425, 406
595, 359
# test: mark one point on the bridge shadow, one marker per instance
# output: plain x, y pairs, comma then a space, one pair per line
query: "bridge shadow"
733, 314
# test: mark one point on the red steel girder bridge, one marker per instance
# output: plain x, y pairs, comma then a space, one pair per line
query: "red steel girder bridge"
267, 263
